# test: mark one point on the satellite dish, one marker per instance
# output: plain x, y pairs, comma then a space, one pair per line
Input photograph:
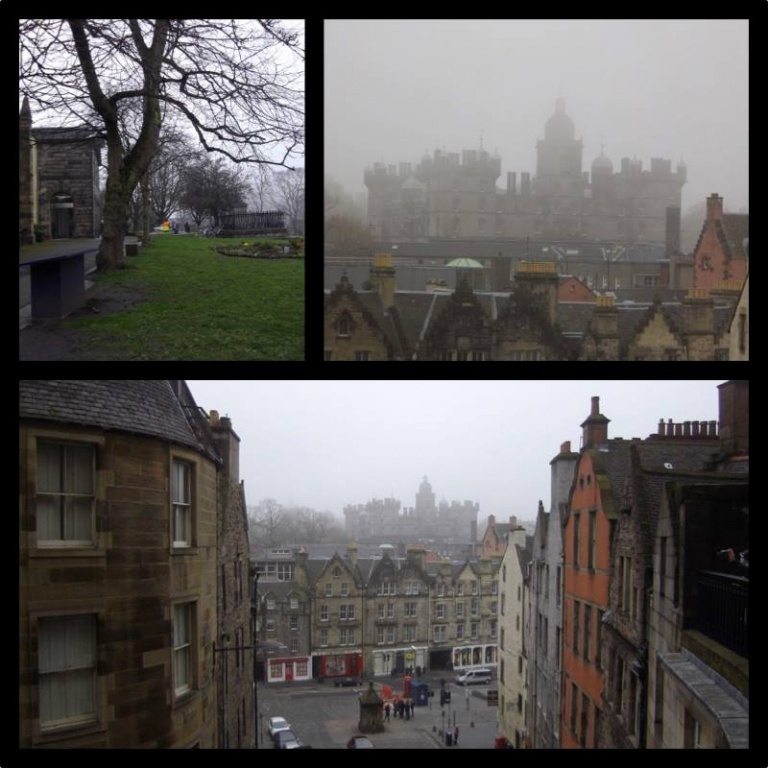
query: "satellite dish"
667, 465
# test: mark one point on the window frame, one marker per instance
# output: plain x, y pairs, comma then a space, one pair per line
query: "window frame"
183, 692
63, 441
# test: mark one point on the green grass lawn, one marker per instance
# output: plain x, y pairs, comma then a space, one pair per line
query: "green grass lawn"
199, 305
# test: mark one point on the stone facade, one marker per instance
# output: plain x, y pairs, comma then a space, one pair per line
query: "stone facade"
513, 614
237, 728
142, 606
448, 196
544, 637
448, 526
58, 180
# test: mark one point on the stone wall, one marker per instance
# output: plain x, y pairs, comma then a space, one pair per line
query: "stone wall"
67, 167
130, 580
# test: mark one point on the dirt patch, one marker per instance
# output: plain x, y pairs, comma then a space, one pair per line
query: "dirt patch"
54, 339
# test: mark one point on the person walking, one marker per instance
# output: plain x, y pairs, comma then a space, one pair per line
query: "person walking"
386, 711
455, 735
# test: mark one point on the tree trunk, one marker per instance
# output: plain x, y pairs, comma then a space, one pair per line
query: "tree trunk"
145, 207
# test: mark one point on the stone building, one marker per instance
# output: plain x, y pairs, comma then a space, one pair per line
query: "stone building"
677, 452
445, 526
121, 494
513, 615
338, 618
529, 322
58, 181
396, 619
282, 606
544, 639
698, 620
235, 668
452, 196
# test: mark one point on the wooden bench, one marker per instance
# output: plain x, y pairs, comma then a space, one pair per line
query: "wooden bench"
56, 275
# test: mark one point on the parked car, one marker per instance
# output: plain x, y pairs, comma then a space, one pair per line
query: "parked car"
359, 742
287, 740
345, 682
277, 724
474, 676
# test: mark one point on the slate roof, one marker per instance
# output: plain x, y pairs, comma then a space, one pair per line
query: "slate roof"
735, 229
139, 407
371, 301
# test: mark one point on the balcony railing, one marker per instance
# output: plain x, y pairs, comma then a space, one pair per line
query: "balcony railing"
722, 609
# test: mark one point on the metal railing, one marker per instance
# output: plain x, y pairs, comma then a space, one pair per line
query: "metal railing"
723, 609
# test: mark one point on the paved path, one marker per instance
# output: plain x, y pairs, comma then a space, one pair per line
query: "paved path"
326, 717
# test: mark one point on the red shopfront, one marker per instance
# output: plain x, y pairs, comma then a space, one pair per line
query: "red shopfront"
288, 670
339, 665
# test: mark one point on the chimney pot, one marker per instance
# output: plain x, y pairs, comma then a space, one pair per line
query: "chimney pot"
687, 428
695, 429
595, 406
214, 418
713, 429
565, 447
661, 430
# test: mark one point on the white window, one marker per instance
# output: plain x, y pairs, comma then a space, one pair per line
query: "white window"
381, 610
65, 491
347, 612
270, 625
181, 500
494, 587
329, 589
182, 647
284, 571
460, 588
390, 634
459, 631
473, 629
387, 588
409, 633
410, 609
294, 646
323, 637
324, 612
344, 589
440, 611
441, 590
294, 603
67, 665
270, 603
440, 633
294, 623
460, 610
390, 610
380, 635
474, 587
347, 636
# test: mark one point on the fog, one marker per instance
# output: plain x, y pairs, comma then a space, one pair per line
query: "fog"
324, 444
675, 89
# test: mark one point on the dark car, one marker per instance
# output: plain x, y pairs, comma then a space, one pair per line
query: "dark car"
359, 742
286, 740
346, 682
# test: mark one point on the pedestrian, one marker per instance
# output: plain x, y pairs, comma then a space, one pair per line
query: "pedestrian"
412, 708
455, 735
386, 711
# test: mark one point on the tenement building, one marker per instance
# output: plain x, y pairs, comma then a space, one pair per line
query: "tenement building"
133, 570
451, 196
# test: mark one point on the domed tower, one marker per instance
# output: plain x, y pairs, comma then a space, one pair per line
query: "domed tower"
559, 155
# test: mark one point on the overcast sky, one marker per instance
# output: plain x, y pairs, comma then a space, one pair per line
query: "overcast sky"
324, 444
671, 89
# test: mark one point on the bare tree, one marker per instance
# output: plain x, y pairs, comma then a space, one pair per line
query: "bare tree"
266, 523
210, 188
223, 77
261, 187
288, 196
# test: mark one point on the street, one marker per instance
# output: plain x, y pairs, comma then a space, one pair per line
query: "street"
326, 717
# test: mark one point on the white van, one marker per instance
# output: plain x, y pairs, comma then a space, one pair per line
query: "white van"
474, 676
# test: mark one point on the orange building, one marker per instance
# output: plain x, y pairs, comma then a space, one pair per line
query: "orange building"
719, 256
586, 550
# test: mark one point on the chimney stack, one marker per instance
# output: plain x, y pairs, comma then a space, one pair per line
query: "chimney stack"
714, 207
595, 426
734, 416
227, 444
383, 279
352, 553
